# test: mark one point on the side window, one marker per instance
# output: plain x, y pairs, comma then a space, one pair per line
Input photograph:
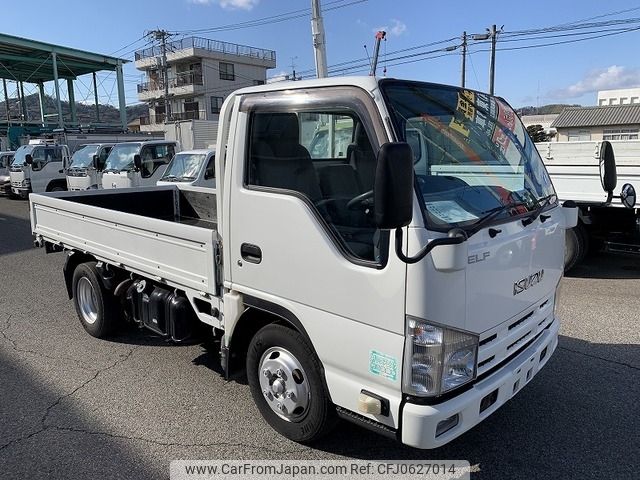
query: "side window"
39, 156
340, 190
153, 157
4, 161
326, 135
210, 170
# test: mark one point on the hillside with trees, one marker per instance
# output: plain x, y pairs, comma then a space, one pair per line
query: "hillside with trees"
86, 112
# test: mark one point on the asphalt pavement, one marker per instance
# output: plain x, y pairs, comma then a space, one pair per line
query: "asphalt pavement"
72, 406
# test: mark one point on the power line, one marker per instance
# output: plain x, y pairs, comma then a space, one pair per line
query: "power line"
282, 17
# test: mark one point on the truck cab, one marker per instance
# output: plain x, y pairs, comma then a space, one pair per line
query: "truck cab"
191, 167
413, 294
5, 179
137, 164
39, 167
85, 170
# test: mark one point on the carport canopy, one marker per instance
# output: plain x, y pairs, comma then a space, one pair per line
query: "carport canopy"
32, 61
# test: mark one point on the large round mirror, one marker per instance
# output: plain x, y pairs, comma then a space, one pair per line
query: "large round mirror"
628, 195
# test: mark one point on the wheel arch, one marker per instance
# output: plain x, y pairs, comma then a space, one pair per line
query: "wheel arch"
258, 314
71, 263
57, 182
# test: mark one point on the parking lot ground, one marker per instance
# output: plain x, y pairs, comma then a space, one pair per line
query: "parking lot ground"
72, 406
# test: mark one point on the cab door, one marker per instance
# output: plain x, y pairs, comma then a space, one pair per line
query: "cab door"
299, 244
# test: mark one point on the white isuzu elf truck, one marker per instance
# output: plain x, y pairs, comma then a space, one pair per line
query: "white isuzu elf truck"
412, 293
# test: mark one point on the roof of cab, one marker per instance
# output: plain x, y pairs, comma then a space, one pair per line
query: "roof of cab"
204, 151
368, 83
147, 142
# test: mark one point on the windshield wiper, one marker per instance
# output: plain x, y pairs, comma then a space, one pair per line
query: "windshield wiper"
493, 213
541, 203
169, 178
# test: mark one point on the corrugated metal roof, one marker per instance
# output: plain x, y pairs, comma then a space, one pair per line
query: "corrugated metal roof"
598, 116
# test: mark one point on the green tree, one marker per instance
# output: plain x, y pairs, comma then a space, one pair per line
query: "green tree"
537, 133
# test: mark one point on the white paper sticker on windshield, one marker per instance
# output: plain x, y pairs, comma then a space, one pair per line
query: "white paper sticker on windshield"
450, 211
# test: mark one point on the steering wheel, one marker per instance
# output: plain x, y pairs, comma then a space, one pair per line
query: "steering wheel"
364, 199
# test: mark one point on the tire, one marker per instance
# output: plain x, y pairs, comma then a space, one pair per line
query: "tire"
573, 248
58, 188
583, 233
95, 306
293, 367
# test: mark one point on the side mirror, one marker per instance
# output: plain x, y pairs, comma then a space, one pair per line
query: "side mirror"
608, 173
96, 162
393, 187
628, 195
137, 161
28, 159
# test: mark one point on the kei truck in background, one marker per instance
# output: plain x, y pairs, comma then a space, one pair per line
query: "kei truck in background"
411, 292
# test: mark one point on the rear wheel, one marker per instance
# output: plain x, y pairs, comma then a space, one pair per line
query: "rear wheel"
57, 188
285, 379
96, 306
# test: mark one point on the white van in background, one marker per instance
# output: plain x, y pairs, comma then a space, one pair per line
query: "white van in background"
192, 167
85, 170
137, 164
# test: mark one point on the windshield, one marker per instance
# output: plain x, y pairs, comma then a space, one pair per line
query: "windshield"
83, 157
473, 157
184, 166
19, 157
121, 157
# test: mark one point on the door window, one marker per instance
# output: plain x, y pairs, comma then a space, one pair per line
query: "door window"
43, 155
337, 178
153, 157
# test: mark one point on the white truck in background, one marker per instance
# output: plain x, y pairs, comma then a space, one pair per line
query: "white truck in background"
5, 179
607, 214
191, 167
414, 299
85, 169
39, 167
137, 164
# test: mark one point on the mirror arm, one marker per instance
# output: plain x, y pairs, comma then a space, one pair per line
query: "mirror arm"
456, 239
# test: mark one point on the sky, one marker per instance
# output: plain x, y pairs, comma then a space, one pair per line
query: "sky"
566, 73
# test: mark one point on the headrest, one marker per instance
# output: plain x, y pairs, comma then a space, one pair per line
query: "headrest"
276, 127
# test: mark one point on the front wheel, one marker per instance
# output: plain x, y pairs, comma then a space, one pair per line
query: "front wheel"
574, 248
285, 378
96, 306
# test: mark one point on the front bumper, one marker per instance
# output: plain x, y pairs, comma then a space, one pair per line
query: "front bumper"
22, 191
419, 422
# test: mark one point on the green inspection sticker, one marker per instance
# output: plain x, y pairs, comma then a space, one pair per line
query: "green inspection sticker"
383, 365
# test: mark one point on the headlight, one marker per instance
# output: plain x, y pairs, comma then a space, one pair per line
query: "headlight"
26, 182
437, 359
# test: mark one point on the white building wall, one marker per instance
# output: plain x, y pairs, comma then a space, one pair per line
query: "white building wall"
622, 96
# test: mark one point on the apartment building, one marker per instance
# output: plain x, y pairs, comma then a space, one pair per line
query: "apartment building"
201, 73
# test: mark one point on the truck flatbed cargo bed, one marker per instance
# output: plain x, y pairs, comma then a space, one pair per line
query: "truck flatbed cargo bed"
167, 233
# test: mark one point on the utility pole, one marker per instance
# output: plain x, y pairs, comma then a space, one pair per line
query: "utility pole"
293, 68
376, 52
319, 45
493, 34
161, 36
464, 58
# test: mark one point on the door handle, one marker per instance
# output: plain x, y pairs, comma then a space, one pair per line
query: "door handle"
251, 253
60, 171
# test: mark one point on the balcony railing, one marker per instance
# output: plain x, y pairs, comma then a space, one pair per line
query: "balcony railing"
176, 116
210, 45
180, 80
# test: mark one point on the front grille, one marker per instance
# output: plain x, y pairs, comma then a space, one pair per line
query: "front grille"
500, 343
